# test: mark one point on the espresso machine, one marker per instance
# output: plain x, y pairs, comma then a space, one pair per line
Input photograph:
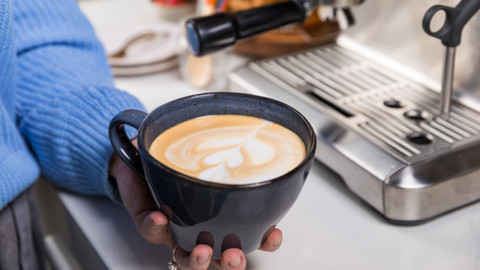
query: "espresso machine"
395, 100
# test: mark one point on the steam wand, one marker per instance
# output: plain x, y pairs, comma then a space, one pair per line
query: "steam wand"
450, 35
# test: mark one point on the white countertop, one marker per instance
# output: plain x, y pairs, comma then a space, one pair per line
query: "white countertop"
327, 228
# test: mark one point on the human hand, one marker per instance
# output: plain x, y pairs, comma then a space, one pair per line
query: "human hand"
153, 224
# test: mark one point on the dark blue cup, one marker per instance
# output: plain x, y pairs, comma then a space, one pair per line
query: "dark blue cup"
201, 212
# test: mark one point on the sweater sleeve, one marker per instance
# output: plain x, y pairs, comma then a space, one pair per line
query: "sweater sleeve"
18, 169
66, 96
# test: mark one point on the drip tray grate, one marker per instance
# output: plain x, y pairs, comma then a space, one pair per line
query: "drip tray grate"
389, 110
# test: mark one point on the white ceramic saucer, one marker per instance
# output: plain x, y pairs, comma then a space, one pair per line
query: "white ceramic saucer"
146, 55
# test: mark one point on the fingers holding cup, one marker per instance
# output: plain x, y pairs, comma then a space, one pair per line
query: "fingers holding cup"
233, 215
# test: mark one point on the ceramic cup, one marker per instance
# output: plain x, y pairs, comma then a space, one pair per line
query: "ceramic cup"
202, 212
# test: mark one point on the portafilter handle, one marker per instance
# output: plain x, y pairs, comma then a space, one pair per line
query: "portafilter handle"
212, 33
450, 35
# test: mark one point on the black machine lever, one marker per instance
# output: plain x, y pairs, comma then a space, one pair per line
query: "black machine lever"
450, 35
455, 19
212, 33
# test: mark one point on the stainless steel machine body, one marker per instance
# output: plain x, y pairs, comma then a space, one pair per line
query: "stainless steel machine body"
374, 100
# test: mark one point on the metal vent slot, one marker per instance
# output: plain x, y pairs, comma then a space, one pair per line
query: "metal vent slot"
358, 89
344, 75
311, 80
436, 126
458, 128
331, 103
283, 74
389, 139
283, 71
430, 99
388, 121
328, 75
335, 62
319, 78
338, 53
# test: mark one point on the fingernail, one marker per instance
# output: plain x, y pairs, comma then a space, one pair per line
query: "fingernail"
235, 262
155, 222
202, 259
278, 241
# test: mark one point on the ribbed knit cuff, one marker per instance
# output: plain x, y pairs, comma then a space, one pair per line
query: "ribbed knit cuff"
17, 172
77, 126
66, 96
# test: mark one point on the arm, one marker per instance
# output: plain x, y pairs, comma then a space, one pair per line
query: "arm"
67, 101
18, 169
66, 96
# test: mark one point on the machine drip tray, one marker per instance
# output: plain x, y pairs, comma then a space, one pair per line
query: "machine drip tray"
378, 129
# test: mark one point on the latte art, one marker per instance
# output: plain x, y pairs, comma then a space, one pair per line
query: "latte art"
233, 149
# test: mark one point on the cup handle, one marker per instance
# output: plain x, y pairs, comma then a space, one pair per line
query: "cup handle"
120, 141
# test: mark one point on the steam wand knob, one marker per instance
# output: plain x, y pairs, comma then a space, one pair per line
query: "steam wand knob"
450, 35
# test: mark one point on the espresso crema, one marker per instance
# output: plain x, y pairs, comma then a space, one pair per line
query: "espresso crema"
231, 149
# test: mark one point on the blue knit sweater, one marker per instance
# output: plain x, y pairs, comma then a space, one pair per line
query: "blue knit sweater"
56, 99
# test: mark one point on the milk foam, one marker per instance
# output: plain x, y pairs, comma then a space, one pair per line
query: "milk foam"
230, 151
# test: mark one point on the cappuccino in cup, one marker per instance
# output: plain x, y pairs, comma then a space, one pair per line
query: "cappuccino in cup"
223, 167
229, 149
